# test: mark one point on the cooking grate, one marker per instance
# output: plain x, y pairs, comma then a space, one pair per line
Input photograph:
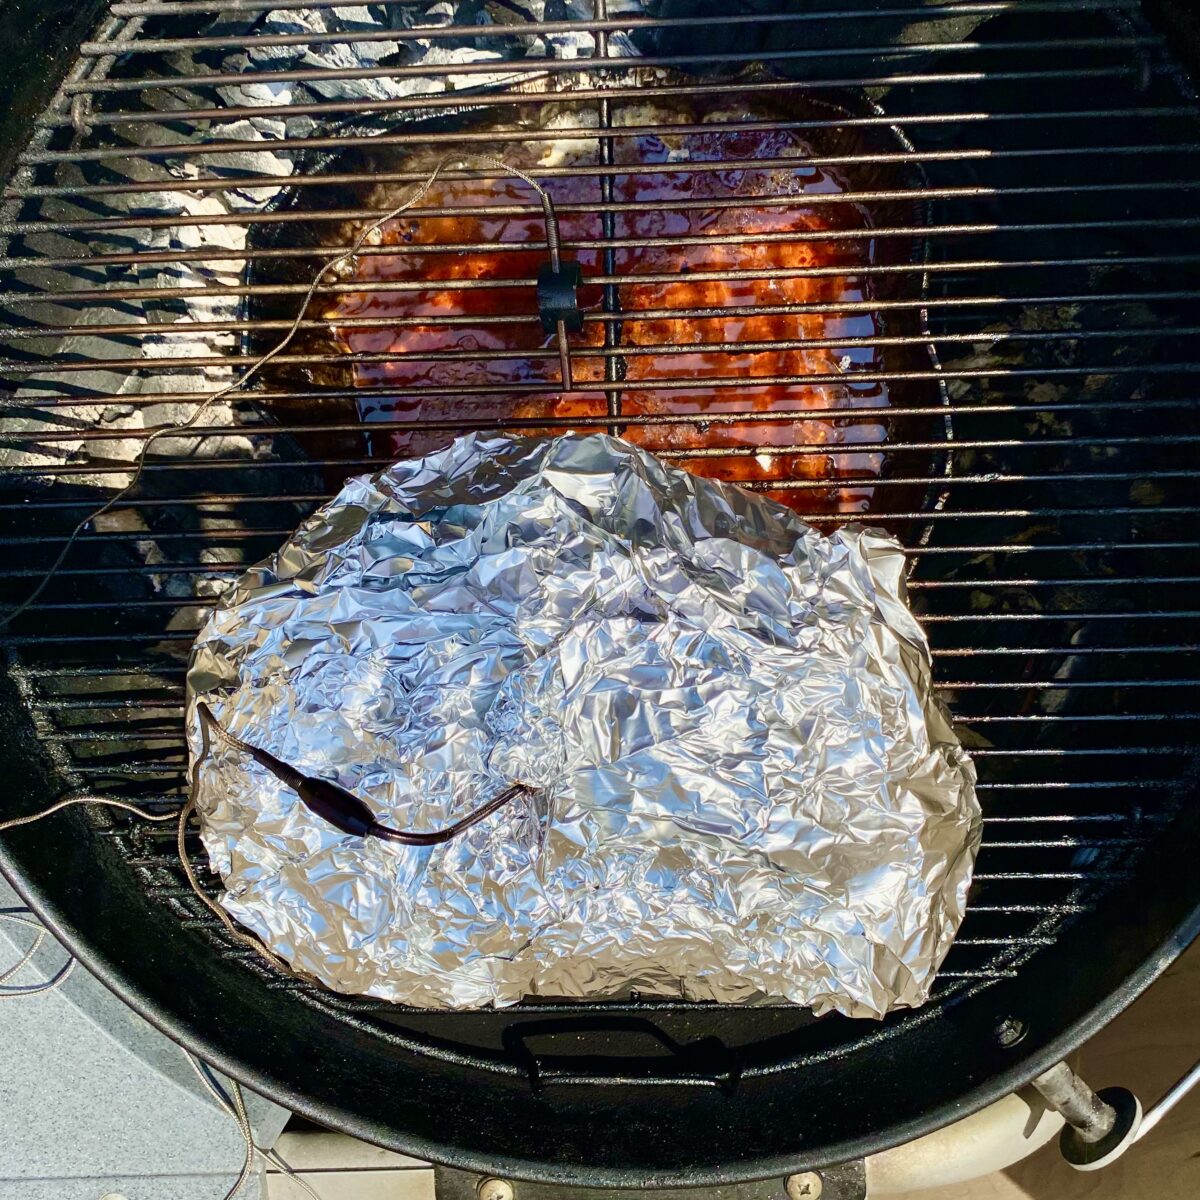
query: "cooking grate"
1051, 522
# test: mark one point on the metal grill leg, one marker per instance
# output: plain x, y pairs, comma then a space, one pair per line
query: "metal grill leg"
1100, 1126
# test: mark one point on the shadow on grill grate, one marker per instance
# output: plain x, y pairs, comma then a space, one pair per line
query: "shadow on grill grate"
1043, 161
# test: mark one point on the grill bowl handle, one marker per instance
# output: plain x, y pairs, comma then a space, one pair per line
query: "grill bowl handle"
706, 1062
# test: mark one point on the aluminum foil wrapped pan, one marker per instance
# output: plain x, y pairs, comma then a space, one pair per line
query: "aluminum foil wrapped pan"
744, 787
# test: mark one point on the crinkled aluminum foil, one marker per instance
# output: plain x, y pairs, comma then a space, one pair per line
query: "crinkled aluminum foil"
745, 788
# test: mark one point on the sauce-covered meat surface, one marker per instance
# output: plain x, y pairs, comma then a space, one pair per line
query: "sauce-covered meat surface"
741, 302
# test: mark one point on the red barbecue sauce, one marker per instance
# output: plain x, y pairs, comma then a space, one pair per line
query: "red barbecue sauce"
841, 478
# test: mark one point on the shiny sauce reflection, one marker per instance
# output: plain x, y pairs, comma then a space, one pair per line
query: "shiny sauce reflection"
670, 366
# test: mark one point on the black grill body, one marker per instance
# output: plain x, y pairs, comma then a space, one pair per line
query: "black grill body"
1040, 469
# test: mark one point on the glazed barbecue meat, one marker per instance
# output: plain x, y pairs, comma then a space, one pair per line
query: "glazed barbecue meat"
448, 316
713, 259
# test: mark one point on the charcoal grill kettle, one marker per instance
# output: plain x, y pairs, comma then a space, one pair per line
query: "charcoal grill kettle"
1056, 582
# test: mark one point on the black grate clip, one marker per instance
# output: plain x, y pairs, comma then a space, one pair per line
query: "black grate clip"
557, 298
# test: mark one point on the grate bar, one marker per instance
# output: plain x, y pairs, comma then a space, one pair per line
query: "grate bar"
174, 257
1073, 784
168, 769
400, 286
139, 8
1054, 685
33, 365
772, 485
1060, 907
1068, 581
659, 384
630, 22
1066, 818
988, 337
1076, 751
51, 702
811, 199
173, 733
227, 568
914, 585
441, 103
223, 184
540, 67
792, 449
1063, 843
175, 737
1084, 718
176, 116
664, 383
1071, 615
188, 635
1063, 651
646, 349
162, 674
165, 706
54, 470
961, 413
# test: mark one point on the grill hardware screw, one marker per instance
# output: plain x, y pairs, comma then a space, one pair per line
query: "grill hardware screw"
804, 1186
1010, 1031
494, 1189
